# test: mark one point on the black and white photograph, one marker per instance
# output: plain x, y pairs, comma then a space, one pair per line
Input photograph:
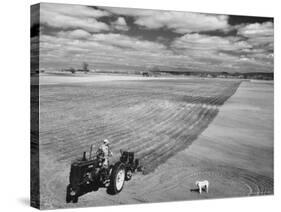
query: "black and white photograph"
132, 105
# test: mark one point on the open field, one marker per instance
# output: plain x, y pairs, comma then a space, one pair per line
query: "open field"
159, 119
63, 78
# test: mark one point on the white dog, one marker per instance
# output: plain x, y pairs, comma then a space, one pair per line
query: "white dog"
202, 185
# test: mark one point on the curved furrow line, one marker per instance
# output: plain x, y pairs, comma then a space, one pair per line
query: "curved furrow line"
204, 117
118, 102
250, 182
69, 139
170, 132
181, 117
144, 114
150, 133
173, 136
69, 152
189, 138
215, 113
150, 129
65, 134
257, 184
266, 186
68, 136
153, 137
164, 153
104, 135
133, 121
80, 145
158, 127
46, 133
75, 150
185, 121
123, 100
205, 112
143, 126
71, 136
151, 163
152, 142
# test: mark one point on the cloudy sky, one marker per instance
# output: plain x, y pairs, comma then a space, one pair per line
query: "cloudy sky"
135, 39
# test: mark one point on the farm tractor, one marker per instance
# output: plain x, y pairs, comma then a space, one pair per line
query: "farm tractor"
88, 174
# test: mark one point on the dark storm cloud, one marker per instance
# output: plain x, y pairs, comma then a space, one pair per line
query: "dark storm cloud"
237, 20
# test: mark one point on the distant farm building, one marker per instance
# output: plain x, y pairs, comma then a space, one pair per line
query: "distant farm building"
145, 74
73, 71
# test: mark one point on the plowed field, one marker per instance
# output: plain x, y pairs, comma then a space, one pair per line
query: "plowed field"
154, 118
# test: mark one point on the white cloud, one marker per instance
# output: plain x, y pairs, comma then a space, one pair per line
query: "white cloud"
257, 29
100, 48
258, 34
73, 10
120, 24
181, 22
206, 43
126, 42
223, 53
81, 37
75, 34
194, 51
72, 17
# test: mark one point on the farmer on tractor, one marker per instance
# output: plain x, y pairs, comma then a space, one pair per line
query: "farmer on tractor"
95, 171
104, 153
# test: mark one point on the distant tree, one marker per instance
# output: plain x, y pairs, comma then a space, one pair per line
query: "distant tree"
85, 67
72, 70
145, 74
154, 69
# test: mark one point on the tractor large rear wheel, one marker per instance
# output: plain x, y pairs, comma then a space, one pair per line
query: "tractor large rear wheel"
117, 178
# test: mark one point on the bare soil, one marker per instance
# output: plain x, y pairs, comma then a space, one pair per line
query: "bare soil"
173, 127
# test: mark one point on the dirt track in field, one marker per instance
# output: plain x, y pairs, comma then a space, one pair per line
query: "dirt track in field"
155, 118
